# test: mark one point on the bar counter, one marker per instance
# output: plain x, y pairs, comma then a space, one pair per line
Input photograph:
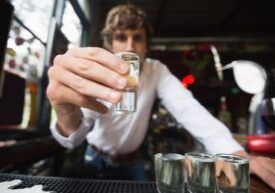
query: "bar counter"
71, 185
257, 186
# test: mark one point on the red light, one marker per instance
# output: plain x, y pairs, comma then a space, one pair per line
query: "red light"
188, 80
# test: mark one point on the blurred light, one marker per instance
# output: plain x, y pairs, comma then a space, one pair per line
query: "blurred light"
188, 80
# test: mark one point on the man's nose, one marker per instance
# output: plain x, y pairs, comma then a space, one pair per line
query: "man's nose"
130, 45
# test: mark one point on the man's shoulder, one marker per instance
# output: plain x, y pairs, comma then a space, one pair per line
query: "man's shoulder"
155, 70
154, 63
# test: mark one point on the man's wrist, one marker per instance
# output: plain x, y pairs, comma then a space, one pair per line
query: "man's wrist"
242, 154
67, 124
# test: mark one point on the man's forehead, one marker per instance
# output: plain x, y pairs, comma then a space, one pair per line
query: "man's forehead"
131, 31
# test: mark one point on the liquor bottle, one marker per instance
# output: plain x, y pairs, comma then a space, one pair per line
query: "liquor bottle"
32, 83
224, 115
33, 88
269, 103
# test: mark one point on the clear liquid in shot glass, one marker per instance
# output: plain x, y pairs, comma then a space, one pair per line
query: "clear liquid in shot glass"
128, 103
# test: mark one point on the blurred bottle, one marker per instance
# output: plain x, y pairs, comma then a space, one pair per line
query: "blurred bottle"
224, 115
269, 102
242, 125
269, 115
32, 83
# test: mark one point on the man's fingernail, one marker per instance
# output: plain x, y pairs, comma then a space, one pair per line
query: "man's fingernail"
114, 96
122, 82
124, 68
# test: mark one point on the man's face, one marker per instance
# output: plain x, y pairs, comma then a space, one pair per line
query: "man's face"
130, 41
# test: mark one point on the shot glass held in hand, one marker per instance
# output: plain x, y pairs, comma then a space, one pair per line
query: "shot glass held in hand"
170, 175
232, 174
128, 103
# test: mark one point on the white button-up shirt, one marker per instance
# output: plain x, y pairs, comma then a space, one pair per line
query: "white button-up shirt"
120, 134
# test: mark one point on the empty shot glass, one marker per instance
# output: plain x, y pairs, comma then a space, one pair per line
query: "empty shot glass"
200, 173
128, 103
232, 174
169, 171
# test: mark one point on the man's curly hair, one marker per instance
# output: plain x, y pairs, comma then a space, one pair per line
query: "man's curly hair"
124, 17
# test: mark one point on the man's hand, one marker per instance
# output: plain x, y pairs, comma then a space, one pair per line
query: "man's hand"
83, 74
263, 167
78, 78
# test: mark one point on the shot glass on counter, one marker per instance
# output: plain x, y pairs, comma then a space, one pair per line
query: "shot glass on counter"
169, 171
200, 173
232, 174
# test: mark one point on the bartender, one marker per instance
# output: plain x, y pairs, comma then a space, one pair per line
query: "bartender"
82, 77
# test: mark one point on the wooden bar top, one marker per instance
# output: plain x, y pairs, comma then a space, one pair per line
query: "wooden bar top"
258, 186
